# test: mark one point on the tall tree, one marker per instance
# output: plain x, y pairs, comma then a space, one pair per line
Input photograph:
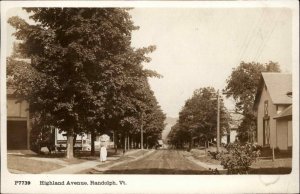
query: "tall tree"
198, 117
242, 85
153, 120
140, 107
82, 62
178, 136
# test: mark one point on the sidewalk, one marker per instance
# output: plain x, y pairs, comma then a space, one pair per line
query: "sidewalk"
71, 169
76, 168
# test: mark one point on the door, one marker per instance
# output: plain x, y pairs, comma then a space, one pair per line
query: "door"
16, 135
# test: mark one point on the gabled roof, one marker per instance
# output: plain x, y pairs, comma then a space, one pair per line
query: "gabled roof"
288, 112
278, 85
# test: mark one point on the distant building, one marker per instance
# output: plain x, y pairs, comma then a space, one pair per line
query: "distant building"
273, 107
231, 135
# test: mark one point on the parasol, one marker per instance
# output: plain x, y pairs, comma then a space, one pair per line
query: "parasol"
104, 138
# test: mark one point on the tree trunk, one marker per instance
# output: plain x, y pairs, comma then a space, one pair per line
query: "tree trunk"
134, 142
190, 143
147, 142
205, 148
125, 143
70, 147
93, 143
128, 139
115, 141
74, 142
131, 142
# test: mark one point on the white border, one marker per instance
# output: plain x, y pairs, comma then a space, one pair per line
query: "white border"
158, 183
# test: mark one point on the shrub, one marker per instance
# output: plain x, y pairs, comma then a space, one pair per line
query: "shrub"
239, 157
214, 155
41, 137
214, 171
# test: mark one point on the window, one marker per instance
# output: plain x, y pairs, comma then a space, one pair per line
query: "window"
266, 108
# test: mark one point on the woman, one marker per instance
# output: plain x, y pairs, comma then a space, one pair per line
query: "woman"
103, 143
103, 153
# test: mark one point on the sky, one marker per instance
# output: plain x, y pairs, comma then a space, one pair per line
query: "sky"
199, 47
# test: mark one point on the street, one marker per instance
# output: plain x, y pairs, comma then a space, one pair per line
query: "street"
159, 162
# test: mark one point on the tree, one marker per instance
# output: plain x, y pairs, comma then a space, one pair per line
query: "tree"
242, 85
198, 117
153, 121
82, 64
178, 136
140, 107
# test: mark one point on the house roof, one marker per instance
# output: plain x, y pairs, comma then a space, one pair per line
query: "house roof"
285, 113
278, 85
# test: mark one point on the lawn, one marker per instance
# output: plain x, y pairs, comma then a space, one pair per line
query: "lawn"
26, 165
29, 162
279, 166
201, 156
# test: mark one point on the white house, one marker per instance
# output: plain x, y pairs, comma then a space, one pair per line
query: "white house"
273, 107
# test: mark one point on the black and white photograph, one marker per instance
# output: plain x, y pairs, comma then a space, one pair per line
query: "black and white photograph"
101, 97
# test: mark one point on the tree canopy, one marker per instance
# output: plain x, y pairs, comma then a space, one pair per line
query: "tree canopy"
83, 72
242, 85
198, 118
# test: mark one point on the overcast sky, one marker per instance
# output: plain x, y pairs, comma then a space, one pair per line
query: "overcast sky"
198, 47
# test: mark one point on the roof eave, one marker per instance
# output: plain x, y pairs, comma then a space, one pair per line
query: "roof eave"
280, 103
283, 117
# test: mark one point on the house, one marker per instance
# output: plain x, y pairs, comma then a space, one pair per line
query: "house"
273, 108
19, 127
232, 135
18, 122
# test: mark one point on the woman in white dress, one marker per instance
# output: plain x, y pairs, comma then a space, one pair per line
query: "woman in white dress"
103, 144
103, 153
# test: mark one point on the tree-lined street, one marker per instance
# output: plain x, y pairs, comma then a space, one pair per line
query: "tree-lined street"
82, 77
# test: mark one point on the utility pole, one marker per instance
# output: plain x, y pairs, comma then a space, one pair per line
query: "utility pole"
218, 122
142, 139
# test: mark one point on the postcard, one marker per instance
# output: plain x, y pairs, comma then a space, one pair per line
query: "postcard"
149, 97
